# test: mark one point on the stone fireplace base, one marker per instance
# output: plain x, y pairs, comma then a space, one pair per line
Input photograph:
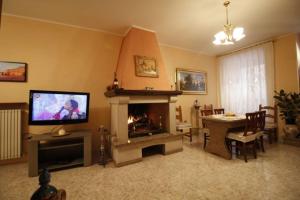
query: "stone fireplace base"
127, 150
128, 153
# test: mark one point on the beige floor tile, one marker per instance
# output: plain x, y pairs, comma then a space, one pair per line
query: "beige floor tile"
191, 174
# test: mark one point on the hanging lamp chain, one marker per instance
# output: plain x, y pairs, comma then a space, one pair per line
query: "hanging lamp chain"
226, 4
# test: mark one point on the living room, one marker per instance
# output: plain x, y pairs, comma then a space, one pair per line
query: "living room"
76, 46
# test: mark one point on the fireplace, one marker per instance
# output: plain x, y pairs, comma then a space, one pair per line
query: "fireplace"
141, 119
146, 119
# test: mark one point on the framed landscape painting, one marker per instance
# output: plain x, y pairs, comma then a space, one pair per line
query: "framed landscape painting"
191, 81
13, 71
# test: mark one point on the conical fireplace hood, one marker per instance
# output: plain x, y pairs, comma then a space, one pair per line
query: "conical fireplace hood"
139, 52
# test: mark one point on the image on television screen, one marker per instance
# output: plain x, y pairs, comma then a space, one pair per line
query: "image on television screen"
59, 107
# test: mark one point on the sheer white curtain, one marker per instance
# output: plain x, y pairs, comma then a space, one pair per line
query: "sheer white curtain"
247, 79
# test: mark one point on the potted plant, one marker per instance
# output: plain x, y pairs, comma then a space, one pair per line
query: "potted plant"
289, 105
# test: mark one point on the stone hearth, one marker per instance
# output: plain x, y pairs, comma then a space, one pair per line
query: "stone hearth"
129, 150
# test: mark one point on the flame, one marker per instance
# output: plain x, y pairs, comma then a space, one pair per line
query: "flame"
130, 119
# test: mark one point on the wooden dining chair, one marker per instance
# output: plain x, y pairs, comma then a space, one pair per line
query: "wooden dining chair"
219, 111
246, 138
182, 125
204, 129
271, 122
261, 128
208, 107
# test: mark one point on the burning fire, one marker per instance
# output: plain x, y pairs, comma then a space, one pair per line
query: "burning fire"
130, 119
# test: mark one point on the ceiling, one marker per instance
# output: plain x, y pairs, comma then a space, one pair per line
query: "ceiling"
187, 24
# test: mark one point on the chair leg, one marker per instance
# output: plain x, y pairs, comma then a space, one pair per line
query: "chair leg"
244, 149
236, 148
270, 137
275, 134
204, 145
262, 143
228, 144
254, 148
191, 135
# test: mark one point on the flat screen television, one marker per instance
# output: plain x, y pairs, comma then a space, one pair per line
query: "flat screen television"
58, 107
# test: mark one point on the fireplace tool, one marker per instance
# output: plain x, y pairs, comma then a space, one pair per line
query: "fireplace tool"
104, 139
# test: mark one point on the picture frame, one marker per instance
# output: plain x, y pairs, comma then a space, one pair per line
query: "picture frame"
13, 71
191, 81
146, 66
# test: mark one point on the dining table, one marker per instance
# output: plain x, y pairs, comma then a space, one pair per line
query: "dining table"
219, 126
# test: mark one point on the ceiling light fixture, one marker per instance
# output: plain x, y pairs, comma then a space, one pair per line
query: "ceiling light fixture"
230, 34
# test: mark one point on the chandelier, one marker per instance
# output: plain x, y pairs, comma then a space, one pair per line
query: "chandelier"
230, 34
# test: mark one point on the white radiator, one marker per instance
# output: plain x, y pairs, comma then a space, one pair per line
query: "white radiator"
10, 134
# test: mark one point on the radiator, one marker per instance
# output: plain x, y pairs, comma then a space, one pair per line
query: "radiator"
10, 134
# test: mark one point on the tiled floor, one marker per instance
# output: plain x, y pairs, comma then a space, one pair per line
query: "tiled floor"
191, 174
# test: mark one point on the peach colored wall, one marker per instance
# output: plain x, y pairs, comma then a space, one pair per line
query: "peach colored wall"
60, 58
142, 43
298, 59
72, 59
285, 57
178, 58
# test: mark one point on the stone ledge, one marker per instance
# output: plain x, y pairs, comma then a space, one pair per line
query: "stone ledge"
128, 162
123, 92
142, 141
131, 153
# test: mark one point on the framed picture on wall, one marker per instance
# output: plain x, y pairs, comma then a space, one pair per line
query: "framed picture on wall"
13, 71
191, 81
146, 66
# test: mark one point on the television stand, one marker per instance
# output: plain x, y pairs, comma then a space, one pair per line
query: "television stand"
53, 153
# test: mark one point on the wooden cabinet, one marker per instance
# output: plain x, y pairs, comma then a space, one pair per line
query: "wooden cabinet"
47, 151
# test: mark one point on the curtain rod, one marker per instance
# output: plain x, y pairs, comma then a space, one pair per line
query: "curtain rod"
247, 47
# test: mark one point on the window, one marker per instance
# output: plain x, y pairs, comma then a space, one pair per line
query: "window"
247, 79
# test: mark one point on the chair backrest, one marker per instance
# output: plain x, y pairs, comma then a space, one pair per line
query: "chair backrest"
179, 114
206, 113
271, 113
251, 123
218, 111
261, 120
208, 107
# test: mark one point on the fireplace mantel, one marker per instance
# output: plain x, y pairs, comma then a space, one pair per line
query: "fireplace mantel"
124, 92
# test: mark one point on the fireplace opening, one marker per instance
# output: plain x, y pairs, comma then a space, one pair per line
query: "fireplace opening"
146, 119
152, 150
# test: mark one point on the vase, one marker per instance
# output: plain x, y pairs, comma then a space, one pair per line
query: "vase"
291, 131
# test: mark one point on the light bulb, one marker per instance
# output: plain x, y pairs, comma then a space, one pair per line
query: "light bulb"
238, 33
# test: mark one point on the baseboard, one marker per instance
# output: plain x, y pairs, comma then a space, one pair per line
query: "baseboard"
23, 159
128, 162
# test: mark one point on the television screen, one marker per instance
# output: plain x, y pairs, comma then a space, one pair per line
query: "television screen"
55, 107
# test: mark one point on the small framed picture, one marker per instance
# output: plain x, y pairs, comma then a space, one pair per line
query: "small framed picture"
191, 81
145, 66
13, 71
